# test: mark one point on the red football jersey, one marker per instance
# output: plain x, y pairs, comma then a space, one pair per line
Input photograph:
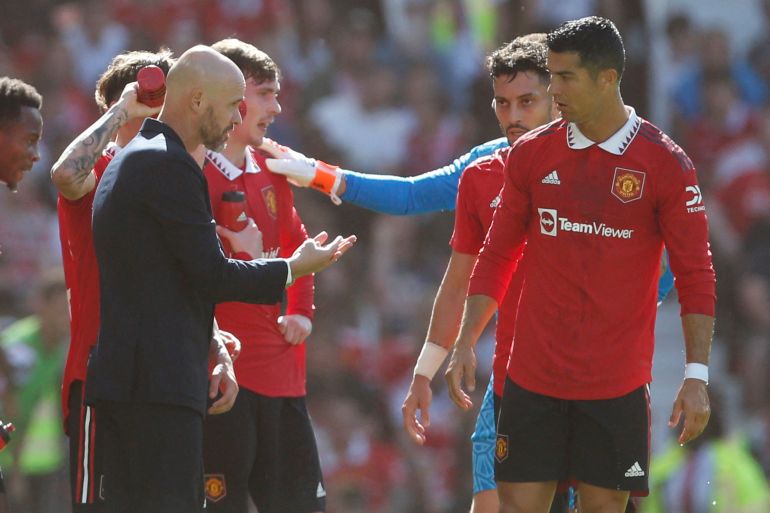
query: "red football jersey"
477, 197
81, 275
268, 365
595, 217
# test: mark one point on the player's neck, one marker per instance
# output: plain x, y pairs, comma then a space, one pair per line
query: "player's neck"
235, 152
606, 121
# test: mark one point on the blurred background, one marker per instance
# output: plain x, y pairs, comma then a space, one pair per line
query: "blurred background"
398, 86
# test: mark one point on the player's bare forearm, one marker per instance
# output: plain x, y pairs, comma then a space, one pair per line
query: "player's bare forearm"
448, 306
479, 309
72, 173
698, 331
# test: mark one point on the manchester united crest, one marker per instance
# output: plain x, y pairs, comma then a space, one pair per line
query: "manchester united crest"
501, 448
627, 184
216, 490
271, 201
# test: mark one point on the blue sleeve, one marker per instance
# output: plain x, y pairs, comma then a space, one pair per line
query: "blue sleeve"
666, 281
429, 192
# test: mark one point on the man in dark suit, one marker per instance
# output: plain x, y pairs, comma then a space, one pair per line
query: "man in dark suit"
162, 270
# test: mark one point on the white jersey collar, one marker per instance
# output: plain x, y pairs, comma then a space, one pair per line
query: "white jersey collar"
616, 144
230, 170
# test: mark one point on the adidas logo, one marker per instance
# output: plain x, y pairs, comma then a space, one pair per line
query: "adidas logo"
635, 470
495, 202
552, 178
320, 492
242, 217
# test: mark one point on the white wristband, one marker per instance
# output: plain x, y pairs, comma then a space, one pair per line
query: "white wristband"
697, 371
430, 359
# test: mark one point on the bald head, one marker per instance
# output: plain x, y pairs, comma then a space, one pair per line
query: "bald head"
202, 67
203, 91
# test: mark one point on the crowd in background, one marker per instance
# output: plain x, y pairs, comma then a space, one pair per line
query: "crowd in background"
380, 86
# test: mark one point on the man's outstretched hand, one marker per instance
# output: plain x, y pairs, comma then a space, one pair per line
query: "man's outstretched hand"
314, 256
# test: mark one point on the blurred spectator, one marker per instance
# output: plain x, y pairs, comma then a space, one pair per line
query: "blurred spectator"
715, 58
711, 474
365, 125
724, 122
437, 132
35, 348
92, 37
364, 468
759, 55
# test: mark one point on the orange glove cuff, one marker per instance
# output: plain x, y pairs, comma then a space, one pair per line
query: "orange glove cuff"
325, 177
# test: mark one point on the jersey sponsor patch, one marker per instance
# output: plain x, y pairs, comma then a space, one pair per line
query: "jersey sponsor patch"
271, 201
215, 487
501, 448
627, 184
694, 201
551, 224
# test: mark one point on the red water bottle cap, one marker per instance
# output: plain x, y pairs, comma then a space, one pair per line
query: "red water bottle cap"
152, 86
232, 210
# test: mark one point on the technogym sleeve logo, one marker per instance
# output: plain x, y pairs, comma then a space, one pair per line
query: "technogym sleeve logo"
551, 223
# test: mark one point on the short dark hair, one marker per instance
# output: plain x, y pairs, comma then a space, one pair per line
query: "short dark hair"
123, 70
253, 62
596, 40
525, 53
15, 94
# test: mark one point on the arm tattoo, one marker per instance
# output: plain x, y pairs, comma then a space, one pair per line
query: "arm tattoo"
82, 153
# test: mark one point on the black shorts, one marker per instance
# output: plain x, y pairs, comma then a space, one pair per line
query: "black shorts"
85, 445
264, 448
153, 458
603, 443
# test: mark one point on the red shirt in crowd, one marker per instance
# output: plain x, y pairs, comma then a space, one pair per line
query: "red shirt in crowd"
268, 365
595, 217
477, 197
81, 275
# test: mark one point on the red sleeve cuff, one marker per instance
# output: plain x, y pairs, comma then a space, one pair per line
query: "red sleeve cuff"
302, 311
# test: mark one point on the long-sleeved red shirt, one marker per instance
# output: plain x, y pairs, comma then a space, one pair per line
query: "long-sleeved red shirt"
595, 217
477, 197
268, 365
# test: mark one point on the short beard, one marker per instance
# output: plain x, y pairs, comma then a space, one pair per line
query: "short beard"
211, 136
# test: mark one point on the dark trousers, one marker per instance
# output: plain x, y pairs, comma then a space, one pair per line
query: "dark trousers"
153, 458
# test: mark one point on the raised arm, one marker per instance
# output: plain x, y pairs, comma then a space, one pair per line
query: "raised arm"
72, 174
427, 192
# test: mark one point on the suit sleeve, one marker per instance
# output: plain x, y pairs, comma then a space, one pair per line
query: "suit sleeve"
501, 253
177, 197
684, 226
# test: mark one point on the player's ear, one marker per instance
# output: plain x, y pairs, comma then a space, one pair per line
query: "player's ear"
608, 77
197, 100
